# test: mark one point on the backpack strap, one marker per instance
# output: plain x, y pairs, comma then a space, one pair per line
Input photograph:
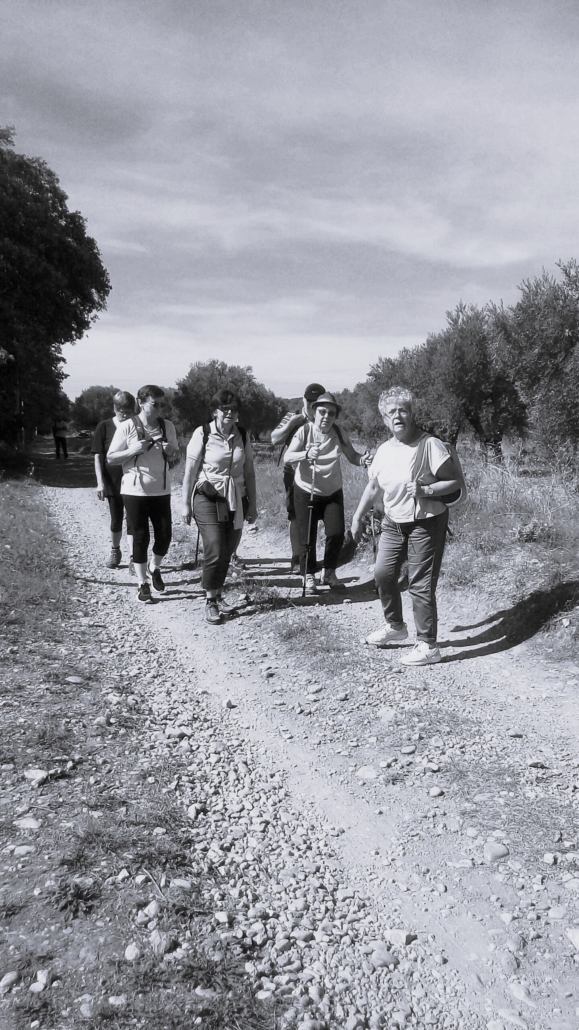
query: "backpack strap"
339, 434
139, 427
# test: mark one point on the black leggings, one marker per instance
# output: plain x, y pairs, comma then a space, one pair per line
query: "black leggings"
331, 510
117, 510
139, 511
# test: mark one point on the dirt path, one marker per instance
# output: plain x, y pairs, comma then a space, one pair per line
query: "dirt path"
453, 789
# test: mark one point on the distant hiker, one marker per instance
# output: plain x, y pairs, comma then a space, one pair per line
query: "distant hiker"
109, 477
315, 453
283, 434
59, 431
413, 471
146, 446
219, 492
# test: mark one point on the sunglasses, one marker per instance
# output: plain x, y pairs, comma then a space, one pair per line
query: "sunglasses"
324, 411
231, 410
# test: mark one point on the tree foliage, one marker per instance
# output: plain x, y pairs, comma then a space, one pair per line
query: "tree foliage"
92, 406
262, 410
52, 286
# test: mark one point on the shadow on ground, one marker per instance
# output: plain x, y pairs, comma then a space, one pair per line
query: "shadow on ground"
512, 626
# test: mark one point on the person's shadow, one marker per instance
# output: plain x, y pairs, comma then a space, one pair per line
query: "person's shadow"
512, 626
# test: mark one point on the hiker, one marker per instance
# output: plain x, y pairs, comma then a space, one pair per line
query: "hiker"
315, 453
109, 477
59, 431
412, 470
283, 434
145, 445
219, 492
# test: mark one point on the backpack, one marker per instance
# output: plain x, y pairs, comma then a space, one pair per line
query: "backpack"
458, 497
285, 445
207, 429
140, 430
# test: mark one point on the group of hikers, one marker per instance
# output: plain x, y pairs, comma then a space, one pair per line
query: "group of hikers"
413, 473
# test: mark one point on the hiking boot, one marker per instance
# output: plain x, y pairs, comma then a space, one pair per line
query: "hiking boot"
236, 563
387, 635
311, 587
144, 594
329, 579
132, 570
421, 654
114, 558
156, 579
212, 613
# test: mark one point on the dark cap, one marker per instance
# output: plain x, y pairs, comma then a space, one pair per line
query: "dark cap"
313, 391
329, 399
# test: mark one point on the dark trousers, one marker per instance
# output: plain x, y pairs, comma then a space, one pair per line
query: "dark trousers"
331, 511
117, 510
60, 444
288, 482
220, 540
141, 510
425, 540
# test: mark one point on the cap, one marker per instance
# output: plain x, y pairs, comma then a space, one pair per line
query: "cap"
313, 391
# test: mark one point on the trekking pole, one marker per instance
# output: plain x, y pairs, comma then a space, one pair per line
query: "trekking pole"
197, 548
309, 546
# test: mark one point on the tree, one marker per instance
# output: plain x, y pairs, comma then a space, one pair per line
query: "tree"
52, 287
92, 406
262, 410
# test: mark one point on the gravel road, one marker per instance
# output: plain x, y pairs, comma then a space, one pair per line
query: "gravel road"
397, 848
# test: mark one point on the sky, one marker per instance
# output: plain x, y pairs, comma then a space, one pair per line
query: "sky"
301, 186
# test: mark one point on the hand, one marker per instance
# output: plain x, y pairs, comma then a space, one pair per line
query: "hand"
414, 489
251, 514
186, 514
101, 493
312, 452
141, 447
366, 460
356, 529
168, 449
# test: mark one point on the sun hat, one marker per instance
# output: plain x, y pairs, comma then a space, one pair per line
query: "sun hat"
313, 391
327, 398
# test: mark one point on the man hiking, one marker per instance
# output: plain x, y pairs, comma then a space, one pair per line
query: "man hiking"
283, 434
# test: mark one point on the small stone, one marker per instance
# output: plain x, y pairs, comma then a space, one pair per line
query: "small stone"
573, 935
132, 953
123, 875
159, 831
495, 1024
264, 995
387, 714
8, 980
432, 767
557, 912
436, 792
22, 850
514, 733
409, 749
536, 763
521, 993
118, 1001
88, 1009
549, 858
508, 962
160, 942
512, 1017
399, 938
366, 772
28, 822
44, 977
74, 679
180, 881
316, 993
36, 776
381, 957
494, 852
37, 987
228, 703
151, 911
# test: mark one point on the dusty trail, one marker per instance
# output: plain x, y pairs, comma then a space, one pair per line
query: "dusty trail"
453, 790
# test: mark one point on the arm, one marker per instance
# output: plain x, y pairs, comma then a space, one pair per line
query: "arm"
286, 426
98, 468
120, 449
366, 502
171, 444
445, 483
350, 452
249, 476
296, 451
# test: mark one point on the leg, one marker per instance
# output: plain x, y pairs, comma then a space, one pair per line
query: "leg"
117, 510
57, 442
425, 550
137, 509
334, 525
302, 508
216, 544
391, 552
288, 482
160, 516
64, 446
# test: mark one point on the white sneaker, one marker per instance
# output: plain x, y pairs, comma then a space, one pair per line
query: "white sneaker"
387, 635
329, 579
311, 587
421, 654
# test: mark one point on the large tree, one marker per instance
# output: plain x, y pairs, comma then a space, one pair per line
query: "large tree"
261, 408
52, 287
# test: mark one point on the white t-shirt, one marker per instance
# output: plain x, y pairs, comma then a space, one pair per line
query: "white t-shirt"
395, 465
147, 474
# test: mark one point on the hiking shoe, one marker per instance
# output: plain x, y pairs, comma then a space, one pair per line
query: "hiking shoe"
132, 570
236, 563
421, 654
114, 558
387, 635
156, 579
329, 579
212, 613
311, 587
144, 594
295, 567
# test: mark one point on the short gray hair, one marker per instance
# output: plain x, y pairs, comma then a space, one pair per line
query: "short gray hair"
395, 393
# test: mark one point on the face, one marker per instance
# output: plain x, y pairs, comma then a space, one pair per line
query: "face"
399, 419
309, 409
226, 416
123, 414
152, 406
325, 417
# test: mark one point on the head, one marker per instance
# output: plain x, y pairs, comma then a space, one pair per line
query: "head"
311, 394
326, 411
225, 406
396, 406
124, 405
151, 400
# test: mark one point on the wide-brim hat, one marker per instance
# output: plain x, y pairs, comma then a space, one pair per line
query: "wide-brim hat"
327, 398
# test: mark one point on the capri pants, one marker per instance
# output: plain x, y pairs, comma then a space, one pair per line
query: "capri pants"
139, 511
